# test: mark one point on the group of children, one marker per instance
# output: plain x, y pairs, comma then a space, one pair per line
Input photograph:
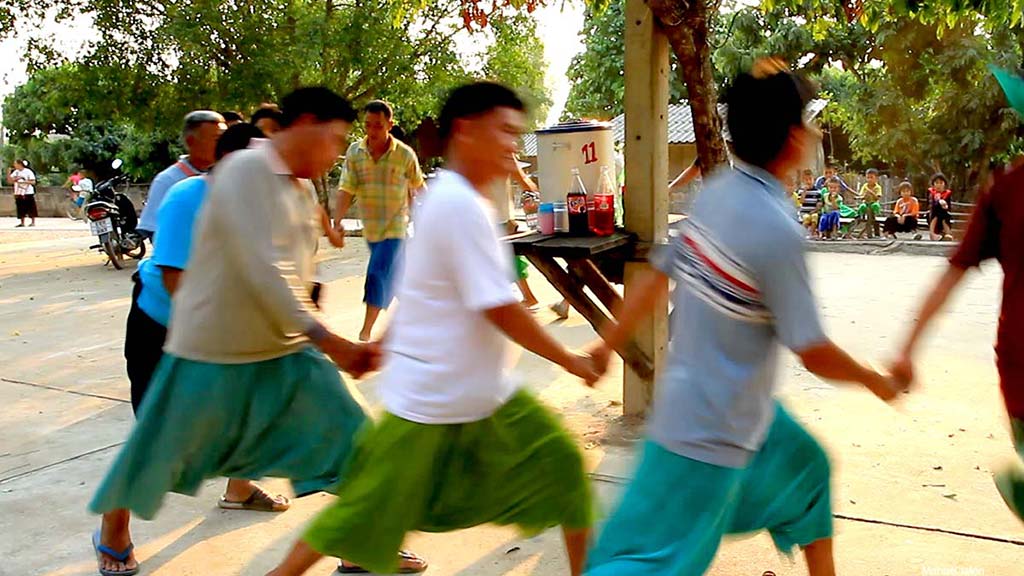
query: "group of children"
821, 207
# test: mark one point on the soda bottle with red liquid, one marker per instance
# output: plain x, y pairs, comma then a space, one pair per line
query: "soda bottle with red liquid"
603, 218
576, 202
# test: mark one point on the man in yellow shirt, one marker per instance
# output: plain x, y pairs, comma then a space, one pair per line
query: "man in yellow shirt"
383, 175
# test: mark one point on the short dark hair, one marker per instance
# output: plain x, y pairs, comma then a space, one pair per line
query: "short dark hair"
905, 185
232, 116
322, 103
236, 138
379, 107
270, 111
939, 176
473, 100
764, 104
808, 172
871, 171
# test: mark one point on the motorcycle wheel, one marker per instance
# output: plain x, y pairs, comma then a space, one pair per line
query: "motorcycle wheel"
112, 246
139, 251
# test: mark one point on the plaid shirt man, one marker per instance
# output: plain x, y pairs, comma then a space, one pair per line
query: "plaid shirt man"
382, 187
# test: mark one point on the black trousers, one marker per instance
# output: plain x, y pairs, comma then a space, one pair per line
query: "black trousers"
143, 346
892, 224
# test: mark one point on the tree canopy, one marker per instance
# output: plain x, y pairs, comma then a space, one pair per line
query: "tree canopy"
154, 60
912, 92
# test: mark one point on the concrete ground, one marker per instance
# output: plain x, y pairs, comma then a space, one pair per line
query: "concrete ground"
912, 487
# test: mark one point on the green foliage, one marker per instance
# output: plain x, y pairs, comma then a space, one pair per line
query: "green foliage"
158, 59
518, 53
598, 81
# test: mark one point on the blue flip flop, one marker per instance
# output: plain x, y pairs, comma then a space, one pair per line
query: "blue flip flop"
121, 556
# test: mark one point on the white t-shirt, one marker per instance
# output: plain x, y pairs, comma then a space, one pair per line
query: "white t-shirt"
445, 361
23, 188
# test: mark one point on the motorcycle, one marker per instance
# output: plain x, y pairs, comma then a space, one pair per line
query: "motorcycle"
112, 218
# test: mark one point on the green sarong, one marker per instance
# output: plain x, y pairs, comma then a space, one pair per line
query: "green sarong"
290, 417
519, 466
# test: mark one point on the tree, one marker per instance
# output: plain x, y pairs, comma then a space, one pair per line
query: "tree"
157, 59
597, 74
518, 53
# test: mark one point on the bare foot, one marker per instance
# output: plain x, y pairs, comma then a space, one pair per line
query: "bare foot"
364, 336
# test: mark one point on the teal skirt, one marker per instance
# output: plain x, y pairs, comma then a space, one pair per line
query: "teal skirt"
676, 510
290, 417
519, 467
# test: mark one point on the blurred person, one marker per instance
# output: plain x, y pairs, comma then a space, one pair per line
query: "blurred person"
904, 213
940, 221
231, 118
267, 118
24, 181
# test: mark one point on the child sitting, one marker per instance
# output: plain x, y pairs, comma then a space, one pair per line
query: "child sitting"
869, 209
904, 214
832, 198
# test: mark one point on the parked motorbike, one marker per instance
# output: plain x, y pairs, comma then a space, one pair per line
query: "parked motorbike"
112, 218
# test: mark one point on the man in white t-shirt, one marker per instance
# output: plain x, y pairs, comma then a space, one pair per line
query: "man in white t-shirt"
24, 181
459, 445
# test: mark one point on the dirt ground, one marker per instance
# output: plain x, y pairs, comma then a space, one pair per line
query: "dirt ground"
912, 484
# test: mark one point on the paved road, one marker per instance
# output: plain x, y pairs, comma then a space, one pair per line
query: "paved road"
912, 484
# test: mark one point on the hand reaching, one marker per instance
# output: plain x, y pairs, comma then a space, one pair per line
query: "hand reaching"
887, 387
583, 367
902, 370
600, 355
355, 359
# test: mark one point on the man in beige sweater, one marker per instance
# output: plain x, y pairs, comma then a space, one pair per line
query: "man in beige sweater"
245, 388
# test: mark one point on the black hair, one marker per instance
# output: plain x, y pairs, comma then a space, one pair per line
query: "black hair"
938, 176
322, 103
764, 105
473, 100
232, 116
379, 107
236, 138
871, 171
266, 111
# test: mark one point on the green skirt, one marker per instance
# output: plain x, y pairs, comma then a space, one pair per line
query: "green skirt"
290, 417
519, 466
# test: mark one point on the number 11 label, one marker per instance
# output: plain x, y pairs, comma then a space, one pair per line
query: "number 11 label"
589, 153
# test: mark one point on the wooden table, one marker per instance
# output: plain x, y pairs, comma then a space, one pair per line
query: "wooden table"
585, 259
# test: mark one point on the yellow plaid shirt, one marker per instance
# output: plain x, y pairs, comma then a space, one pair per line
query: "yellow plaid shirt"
382, 187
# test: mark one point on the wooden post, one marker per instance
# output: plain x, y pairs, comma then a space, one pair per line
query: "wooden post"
646, 196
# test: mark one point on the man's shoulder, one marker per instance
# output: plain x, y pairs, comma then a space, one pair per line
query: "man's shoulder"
405, 150
187, 190
354, 148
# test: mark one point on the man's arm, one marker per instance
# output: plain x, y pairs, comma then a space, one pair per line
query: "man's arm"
903, 367
523, 180
686, 176
171, 278
828, 361
344, 203
519, 325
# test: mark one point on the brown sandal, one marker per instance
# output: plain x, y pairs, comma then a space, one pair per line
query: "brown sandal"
259, 501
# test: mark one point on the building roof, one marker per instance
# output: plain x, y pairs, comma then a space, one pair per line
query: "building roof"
680, 125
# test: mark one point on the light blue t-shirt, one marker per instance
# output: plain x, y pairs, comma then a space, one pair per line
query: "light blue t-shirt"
171, 245
742, 288
158, 191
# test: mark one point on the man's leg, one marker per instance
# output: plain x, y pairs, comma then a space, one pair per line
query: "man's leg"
576, 548
1010, 480
115, 534
379, 280
660, 530
819, 557
300, 559
786, 490
143, 347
